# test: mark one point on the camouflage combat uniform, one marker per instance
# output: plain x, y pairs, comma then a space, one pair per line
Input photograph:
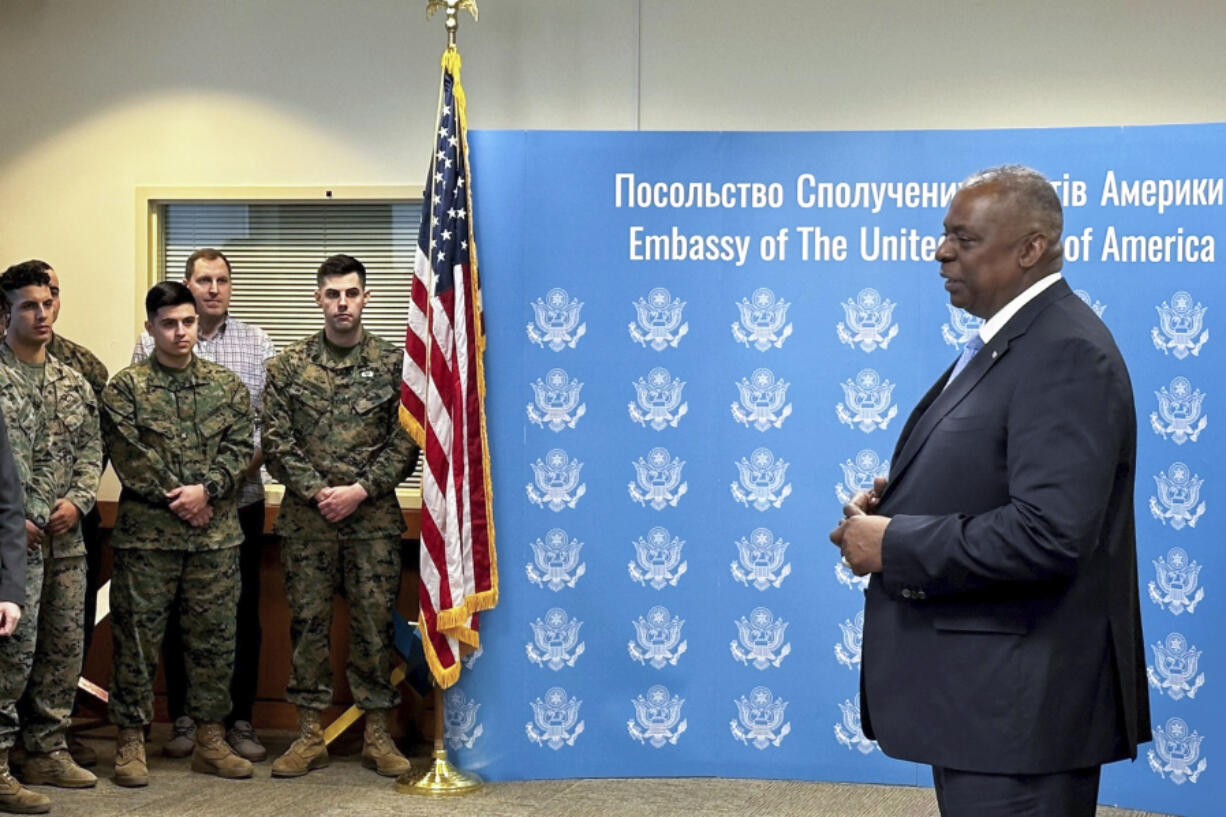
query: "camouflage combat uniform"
163, 429
26, 421
333, 422
80, 360
87, 364
76, 464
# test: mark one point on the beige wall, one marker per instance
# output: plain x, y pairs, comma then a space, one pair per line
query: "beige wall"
98, 97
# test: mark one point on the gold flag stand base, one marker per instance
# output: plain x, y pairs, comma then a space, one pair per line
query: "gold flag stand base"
443, 779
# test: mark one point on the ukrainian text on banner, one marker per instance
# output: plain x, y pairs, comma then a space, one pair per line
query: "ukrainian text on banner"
701, 344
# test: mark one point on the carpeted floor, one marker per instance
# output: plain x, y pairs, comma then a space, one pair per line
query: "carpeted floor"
345, 789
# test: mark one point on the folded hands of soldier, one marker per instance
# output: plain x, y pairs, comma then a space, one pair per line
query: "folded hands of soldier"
191, 504
63, 518
338, 502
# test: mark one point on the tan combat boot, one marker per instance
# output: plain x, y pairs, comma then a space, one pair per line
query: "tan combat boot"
130, 767
379, 752
83, 755
56, 769
307, 752
214, 756
16, 799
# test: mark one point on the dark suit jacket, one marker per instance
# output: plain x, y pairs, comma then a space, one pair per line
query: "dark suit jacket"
1003, 634
12, 526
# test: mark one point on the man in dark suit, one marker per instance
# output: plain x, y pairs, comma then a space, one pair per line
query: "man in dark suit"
1002, 633
12, 539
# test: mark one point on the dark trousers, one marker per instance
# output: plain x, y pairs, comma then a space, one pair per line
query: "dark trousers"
91, 526
248, 635
91, 531
971, 794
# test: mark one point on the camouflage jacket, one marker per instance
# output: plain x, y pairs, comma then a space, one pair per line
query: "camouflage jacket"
80, 360
329, 423
27, 423
164, 429
76, 448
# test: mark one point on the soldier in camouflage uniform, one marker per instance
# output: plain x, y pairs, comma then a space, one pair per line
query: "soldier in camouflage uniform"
87, 364
76, 458
243, 348
179, 433
332, 436
26, 422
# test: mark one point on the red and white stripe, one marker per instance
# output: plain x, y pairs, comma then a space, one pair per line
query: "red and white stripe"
443, 402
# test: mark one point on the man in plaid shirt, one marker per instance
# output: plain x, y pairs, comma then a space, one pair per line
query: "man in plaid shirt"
243, 349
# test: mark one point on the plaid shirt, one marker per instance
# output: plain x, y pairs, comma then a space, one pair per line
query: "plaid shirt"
242, 348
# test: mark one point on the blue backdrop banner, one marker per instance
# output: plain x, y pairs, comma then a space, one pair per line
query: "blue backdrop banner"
700, 344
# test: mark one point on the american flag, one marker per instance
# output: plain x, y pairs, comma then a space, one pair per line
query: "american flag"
442, 400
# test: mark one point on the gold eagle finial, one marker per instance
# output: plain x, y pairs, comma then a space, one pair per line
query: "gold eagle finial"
452, 7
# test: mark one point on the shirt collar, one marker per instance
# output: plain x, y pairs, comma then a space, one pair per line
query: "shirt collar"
359, 357
997, 322
167, 374
221, 330
10, 357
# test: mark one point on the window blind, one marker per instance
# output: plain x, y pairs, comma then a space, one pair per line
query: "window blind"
275, 249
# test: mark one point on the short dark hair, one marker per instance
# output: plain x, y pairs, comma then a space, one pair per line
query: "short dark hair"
27, 273
205, 254
340, 265
167, 293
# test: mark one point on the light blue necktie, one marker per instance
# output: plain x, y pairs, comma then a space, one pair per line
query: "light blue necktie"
969, 351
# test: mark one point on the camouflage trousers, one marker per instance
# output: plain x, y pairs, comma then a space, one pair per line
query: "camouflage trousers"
366, 572
145, 584
17, 653
46, 707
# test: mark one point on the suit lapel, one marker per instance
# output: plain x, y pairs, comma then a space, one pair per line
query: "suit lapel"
918, 412
945, 401
937, 402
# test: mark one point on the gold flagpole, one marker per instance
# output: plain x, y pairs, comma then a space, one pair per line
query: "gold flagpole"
443, 779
